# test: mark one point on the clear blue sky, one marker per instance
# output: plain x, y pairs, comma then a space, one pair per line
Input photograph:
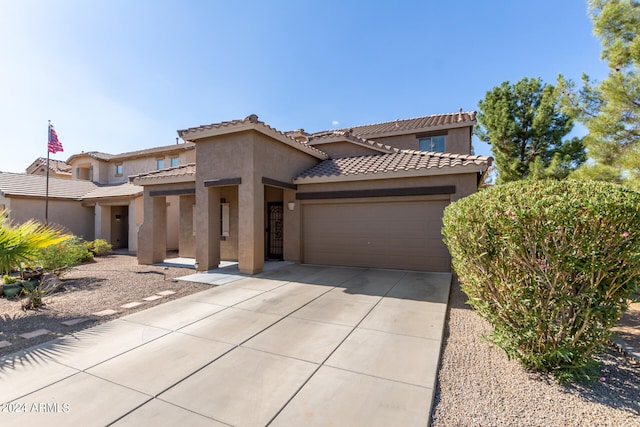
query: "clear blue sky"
123, 75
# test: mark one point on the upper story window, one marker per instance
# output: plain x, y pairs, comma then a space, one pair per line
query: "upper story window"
175, 161
432, 143
119, 169
160, 163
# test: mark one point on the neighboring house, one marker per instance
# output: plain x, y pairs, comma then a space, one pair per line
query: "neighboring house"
368, 196
57, 168
95, 199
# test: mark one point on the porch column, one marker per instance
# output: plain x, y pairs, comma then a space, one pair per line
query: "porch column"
102, 224
186, 244
207, 228
152, 237
251, 228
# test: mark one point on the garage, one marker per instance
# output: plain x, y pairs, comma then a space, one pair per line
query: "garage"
401, 233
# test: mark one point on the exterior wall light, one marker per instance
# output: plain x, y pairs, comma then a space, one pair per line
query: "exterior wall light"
291, 205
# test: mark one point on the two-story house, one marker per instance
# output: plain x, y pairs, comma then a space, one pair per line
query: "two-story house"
368, 196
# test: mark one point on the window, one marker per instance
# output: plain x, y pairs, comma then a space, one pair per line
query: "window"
174, 162
160, 163
119, 169
432, 143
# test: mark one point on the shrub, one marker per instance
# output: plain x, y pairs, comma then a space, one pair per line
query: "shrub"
550, 265
100, 247
64, 255
8, 280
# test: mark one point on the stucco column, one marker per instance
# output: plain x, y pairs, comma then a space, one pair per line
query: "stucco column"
102, 225
133, 227
292, 222
152, 237
207, 228
251, 227
186, 244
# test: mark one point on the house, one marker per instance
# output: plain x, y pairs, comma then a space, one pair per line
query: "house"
57, 168
367, 196
90, 195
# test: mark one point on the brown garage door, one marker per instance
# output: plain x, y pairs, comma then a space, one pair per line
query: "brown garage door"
403, 235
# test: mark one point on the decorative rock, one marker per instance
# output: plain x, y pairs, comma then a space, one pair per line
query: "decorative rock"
104, 313
75, 321
131, 304
36, 333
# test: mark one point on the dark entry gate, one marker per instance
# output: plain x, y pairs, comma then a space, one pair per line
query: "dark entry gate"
274, 230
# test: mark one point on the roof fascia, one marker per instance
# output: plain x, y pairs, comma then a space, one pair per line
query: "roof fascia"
446, 170
258, 127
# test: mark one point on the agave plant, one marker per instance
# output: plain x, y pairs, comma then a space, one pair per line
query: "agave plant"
21, 243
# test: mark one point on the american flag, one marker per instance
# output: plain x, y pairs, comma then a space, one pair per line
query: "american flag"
54, 144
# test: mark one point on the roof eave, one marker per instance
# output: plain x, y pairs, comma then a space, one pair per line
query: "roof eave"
445, 170
146, 180
463, 124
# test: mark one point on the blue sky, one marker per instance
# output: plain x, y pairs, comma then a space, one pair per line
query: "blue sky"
122, 75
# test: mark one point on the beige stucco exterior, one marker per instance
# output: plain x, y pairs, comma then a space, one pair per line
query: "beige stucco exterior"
242, 201
458, 140
69, 214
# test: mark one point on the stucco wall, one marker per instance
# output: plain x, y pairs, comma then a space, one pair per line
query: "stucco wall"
105, 172
70, 214
458, 141
250, 156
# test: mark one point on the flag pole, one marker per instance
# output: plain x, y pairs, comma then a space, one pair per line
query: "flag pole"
46, 197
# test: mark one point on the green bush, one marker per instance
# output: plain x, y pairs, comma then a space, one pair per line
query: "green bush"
100, 247
69, 253
550, 265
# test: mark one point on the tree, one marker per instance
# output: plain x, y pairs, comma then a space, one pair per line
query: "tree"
524, 125
22, 243
611, 109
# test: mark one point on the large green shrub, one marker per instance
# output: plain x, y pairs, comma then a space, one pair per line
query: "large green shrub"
72, 252
550, 264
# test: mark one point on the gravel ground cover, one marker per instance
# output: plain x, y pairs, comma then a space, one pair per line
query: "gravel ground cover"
105, 284
479, 386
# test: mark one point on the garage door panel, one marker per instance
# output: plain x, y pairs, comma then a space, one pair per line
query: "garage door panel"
405, 235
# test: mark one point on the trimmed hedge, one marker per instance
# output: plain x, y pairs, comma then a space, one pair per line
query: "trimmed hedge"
550, 265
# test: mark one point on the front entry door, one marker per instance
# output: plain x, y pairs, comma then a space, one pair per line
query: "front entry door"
274, 230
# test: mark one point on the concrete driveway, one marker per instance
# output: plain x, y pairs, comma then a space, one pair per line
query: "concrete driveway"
298, 345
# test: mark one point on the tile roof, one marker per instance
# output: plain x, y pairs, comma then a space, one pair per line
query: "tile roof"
133, 154
27, 185
385, 164
411, 125
335, 136
56, 166
249, 122
117, 190
183, 173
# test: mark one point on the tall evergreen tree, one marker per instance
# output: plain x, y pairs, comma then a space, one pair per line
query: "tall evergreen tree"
524, 126
611, 109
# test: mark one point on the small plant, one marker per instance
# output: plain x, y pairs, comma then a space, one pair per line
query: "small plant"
100, 247
35, 297
70, 253
550, 264
7, 280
